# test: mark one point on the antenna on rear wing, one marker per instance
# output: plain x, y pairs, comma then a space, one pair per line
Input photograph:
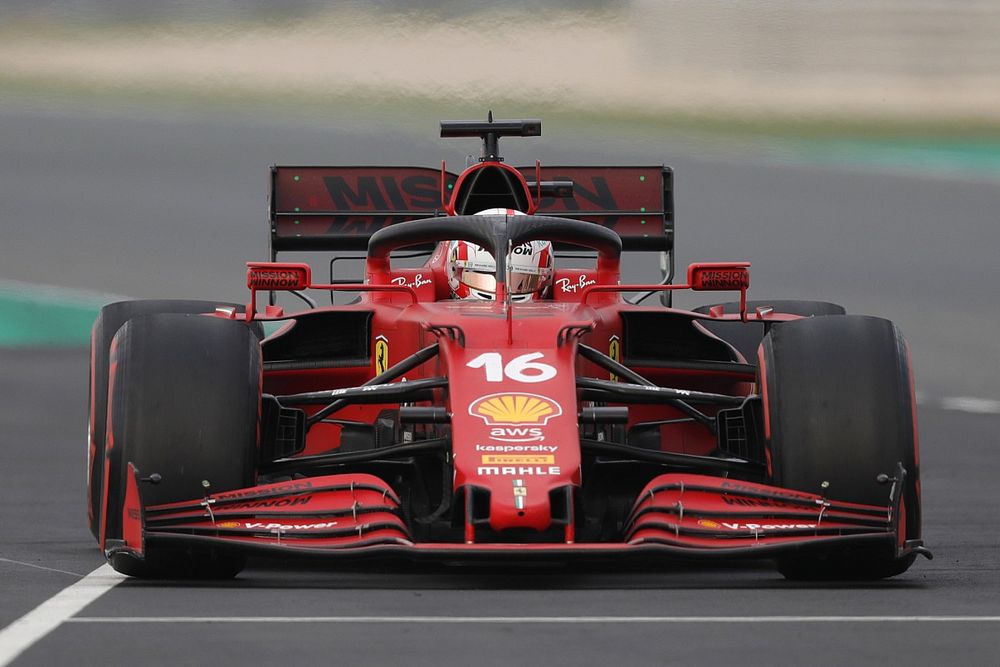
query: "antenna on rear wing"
491, 131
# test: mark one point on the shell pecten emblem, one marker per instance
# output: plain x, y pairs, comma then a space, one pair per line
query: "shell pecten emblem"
515, 408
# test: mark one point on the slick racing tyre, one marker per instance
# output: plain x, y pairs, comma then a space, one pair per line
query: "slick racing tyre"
110, 319
746, 336
839, 398
185, 405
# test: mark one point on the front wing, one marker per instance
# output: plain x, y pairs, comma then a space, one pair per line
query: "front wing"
356, 516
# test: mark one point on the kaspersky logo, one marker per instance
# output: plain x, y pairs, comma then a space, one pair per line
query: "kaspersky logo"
515, 416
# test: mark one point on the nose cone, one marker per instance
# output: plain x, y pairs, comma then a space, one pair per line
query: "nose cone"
515, 436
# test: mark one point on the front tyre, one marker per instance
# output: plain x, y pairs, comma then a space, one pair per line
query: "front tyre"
839, 397
185, 404
109, 320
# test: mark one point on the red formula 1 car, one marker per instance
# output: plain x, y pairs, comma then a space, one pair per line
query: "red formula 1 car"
586, 421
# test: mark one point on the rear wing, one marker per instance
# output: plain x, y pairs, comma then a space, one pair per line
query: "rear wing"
339, 208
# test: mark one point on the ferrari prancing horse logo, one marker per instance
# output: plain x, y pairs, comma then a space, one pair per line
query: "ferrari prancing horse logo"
615, 352
381, 354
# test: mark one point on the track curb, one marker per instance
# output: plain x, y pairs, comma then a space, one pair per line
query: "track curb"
34, 315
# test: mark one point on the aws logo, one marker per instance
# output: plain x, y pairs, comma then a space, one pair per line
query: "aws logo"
516, 433
515, 409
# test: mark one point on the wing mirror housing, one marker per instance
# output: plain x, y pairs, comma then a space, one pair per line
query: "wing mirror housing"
719, 276
278, 276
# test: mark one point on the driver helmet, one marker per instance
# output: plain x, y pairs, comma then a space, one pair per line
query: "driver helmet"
472, 269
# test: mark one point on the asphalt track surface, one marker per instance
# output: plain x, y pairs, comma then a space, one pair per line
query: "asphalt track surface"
160, 206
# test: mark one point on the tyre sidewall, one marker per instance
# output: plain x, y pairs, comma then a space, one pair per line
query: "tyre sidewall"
185, 404
108, 322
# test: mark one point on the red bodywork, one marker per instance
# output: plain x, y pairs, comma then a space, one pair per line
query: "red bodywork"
518, 462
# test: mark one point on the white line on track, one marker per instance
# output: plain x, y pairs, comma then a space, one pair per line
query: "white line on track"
20, 635
39, 567
971, 404
534, 619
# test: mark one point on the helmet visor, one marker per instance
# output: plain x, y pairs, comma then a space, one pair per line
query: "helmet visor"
518, 282
482, 282
523, 283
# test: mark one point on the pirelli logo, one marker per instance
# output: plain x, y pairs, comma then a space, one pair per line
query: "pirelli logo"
518, 459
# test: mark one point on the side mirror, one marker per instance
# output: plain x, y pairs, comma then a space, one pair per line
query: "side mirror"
283, 276
719, 276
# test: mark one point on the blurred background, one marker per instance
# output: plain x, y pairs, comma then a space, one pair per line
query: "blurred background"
849, 69
850, 149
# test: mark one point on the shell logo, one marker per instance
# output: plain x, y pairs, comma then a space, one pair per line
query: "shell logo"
706, 523
514, 408
229, 524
